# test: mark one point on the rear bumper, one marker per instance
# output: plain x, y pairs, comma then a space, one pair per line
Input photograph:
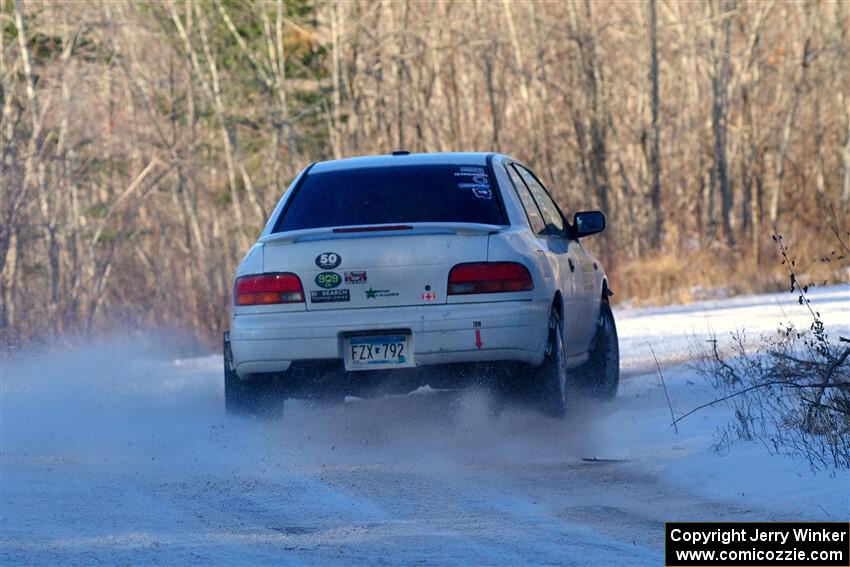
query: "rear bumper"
441, 334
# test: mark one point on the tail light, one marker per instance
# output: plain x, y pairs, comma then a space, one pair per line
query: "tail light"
267, 289
489, 277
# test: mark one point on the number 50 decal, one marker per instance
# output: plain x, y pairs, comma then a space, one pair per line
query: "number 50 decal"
328, 260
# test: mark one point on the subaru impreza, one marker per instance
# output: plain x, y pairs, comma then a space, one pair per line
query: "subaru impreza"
384, 264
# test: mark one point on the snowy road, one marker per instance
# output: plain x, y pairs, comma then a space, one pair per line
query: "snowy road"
114, 454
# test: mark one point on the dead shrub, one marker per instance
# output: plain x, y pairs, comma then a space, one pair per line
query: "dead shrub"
791, 391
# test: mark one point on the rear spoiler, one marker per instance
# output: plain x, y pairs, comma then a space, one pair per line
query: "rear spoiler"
359, 231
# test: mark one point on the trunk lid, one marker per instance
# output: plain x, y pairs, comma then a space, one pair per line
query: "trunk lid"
382, 266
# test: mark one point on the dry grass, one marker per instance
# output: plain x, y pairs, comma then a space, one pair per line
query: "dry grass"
717, 272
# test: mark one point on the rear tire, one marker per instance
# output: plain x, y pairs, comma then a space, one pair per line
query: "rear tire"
256, 395
601, 373
551, 376
235, 389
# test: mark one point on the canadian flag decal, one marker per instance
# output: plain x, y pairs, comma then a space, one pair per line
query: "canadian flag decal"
428, 296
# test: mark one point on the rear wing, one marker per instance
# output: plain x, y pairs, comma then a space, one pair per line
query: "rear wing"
336, 232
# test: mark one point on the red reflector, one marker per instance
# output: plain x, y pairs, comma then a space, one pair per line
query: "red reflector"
489, 277
266, 289
374, 228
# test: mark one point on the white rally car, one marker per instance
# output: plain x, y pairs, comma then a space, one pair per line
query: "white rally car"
386, 263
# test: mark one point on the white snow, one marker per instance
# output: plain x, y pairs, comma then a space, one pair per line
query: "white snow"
747, 472
112, 454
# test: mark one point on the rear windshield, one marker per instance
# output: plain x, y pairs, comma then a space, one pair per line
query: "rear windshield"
400, 194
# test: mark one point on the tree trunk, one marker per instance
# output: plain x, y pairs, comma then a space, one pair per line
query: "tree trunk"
788, 126
656, 215
719, 107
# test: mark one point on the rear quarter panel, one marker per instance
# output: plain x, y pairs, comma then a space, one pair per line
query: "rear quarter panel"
514, 245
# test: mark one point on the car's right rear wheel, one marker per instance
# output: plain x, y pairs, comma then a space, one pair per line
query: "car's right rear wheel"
553, 390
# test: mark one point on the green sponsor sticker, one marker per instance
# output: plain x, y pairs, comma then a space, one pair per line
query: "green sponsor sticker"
328, 280
376, 293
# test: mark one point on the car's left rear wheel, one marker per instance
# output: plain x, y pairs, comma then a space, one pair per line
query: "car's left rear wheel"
256, 395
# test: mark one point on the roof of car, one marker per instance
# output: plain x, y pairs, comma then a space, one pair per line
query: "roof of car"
446, 158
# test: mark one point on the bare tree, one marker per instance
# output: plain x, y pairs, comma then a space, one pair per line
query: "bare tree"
142, 145
656, 216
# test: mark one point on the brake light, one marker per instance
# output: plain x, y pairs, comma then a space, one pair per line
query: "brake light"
489, 277
384, 228
267, 289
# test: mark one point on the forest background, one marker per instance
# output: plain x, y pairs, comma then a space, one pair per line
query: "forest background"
143, 144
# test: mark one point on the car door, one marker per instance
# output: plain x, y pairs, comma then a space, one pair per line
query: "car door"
588, 291
548, 224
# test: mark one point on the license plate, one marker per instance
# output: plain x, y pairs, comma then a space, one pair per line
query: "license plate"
364, 352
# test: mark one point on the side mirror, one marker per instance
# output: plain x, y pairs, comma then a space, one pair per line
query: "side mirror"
588, 222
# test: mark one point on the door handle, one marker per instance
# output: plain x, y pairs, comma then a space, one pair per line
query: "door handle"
572, 266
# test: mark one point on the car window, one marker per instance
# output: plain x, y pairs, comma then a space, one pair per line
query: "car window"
394, 194
535, 219
551, 214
